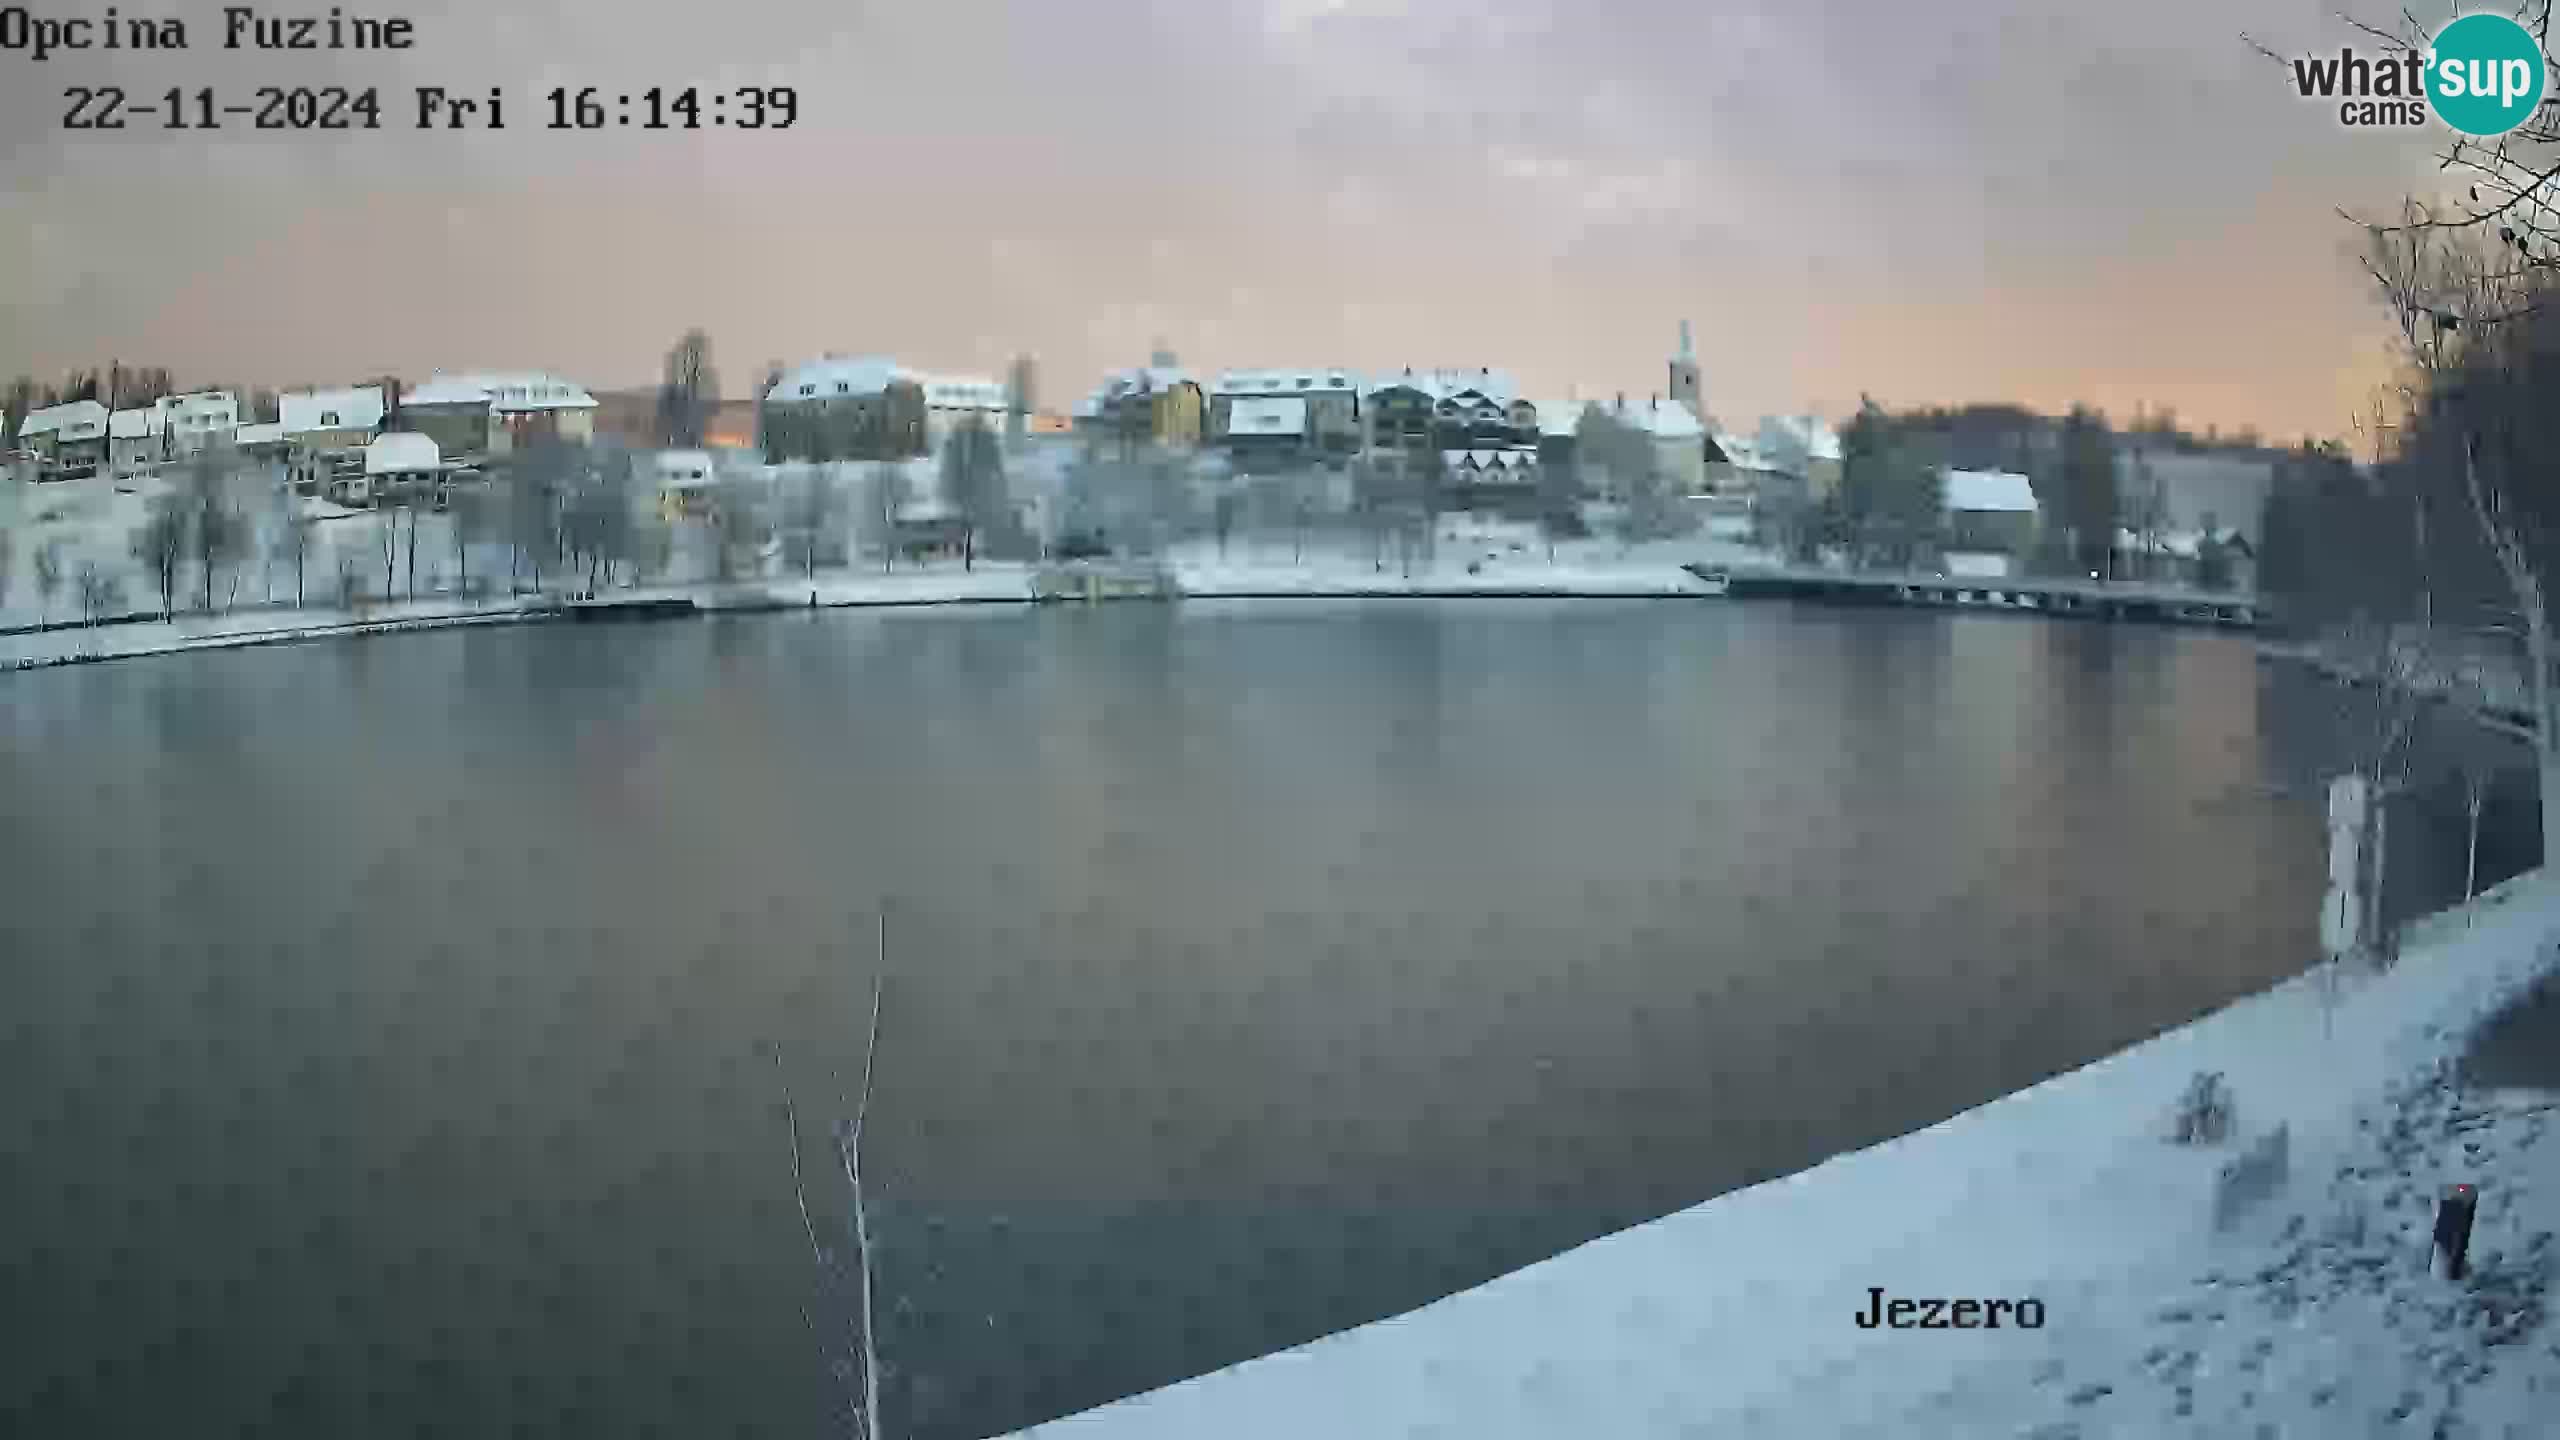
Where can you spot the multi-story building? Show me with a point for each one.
(952, 400)
(846, 408)
(1159, 403)
(69, 441)
(194, 420)
(1324, 403)
(481, 416)
(1448, 410)
(325, 431)
(136, 441)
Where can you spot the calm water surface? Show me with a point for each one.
(389, 1025)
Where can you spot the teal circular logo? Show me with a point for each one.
(2484, 75)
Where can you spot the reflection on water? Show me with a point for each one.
(384, 1018)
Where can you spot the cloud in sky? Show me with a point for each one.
(1927, 203)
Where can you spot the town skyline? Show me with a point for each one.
(2127, 212)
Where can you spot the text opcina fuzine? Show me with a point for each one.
(1904, 1313)
(239, 27)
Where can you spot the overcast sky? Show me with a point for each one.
(1931, 203)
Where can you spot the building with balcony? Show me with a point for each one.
(325, 432)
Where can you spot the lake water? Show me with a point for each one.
(387, 1027)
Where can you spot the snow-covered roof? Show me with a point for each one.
(927, 511)
(247, 435)
(400, 451)
(1994, 491)
(1267, 415)
(77, 420)
(1741, 452)
(133, 424)
(359, 408)
(1286, 381)
(506, 393)
(1805, 433)
(1488, 459)
(1494, 385)
(196, 402)
(1148, 378)
(1662, 419)
(1558, 417)
(963, 392)
(833, 375)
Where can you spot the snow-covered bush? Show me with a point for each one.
(2204, 1113)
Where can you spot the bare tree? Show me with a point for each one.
(687, 394)
(98, 592)
(973, 482)
(856, 1366)
(2500, 194)
(885, 492)
(813, 514)
(16, 400)
(290, 539)
(160, 546)
(472, 516)
(48, 577)
(535, 484)
(349, 563)
(2483, 351)
(741, 522)
(596, 516)
(216, 535)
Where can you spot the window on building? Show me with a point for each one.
(328, 419)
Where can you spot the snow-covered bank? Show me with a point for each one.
(1596, 569)
(2313, 1314)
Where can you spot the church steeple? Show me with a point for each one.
(1684, 376)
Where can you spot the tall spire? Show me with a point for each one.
(1685, 390)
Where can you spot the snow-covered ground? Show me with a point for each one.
(2313, 1314)
(93, 521)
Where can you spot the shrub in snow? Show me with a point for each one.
(2204, 1112)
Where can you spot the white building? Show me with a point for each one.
(1990, 521)
(70, 440)
(197, 419)
(325, 432)
(684, 480)
(315, 412)
(137, 441)
(951, 400)
(396, 462)
(1679, 441)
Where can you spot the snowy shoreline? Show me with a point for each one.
(45, 647)
(2313, 1313)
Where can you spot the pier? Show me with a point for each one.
(2071, 599)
